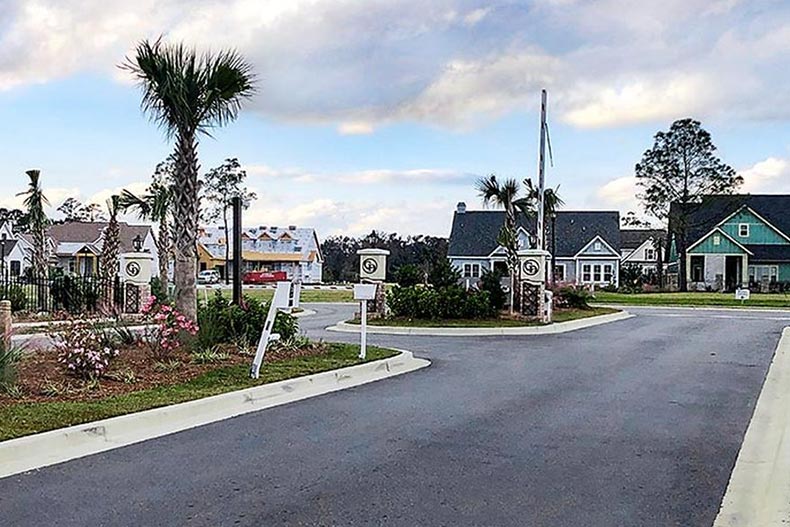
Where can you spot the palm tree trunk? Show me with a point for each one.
(186, 224)
(163, 251)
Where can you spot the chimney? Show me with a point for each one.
(460, 208)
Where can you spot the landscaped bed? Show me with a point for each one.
(97, 369)
(765, 300)
(46, 398)
(560, 315)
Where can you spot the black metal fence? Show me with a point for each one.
(63, 292)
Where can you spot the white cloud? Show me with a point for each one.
(772, 176)
(619, 192)
(454, 63)
(355, 128)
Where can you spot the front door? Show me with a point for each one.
(732, 272)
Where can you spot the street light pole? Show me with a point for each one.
(2, 255)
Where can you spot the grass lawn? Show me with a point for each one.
(17, 420)
(693, 299)
(308, 295)
(563, 315)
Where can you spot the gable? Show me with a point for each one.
(598, 247)
(638, 254)
(759, 231)
(716, 242)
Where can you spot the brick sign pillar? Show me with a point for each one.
(373, 270)
(136, 269)
(532, 264)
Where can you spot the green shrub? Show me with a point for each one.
(158, 290)
(16, 294)
(409, 275)
(491, 282)
(223, 323)
(572, 297)
(431, 303)
(10, 356)
(443, 274)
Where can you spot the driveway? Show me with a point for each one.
(634, 423)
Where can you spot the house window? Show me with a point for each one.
(743, 230)
(471, 270)
(16, 267)
(597, 246)
(586, 273)
(559, 273)
(763, 273)
(716, 239)
(607, 273)
(650, 255)
(597, 273)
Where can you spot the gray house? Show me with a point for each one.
(587, 244)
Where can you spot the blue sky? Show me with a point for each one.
(381, 114)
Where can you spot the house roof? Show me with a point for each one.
(90, 232)
(633, 238)
(704, 216)
(289, 243)
(769, 253)
(474, 233)
(9, 246)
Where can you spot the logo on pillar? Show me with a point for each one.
(370, 265)
(530, 267)
(132, 269)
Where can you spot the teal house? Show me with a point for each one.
(735, 241)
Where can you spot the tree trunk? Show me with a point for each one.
(163, 252)
(682, 270)
(185, 214)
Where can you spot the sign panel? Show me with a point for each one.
(373, 264)
(742, 294)
(365, 291)
(532, 265)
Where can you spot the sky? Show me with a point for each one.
(381, 114)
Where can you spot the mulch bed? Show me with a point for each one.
(41, 378)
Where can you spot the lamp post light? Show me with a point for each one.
(137, 243)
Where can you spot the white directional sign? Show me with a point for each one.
(742, 294)
(281, 301)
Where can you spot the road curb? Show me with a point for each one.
(758, 494)
(56, 446)
(756, 309)
(553, 329)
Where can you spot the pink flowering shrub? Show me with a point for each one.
(170, 328)
(83, 351)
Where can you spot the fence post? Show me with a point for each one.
(5, 322)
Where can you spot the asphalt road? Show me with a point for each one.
(634, 423)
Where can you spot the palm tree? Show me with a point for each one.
(188, 94)
(506, 196)
(35, 201)
(109, 265)
(551, 202)
(155, 205)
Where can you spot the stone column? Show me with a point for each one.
(5, 322)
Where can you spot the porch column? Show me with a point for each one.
(745, 269)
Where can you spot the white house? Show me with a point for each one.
(585, 245)
(294, 250)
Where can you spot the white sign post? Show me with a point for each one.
(280, 301)
(363, 293)
(742, 294)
